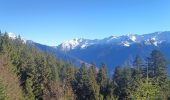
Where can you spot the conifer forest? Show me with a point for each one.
(29, 74)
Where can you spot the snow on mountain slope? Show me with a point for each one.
(71, 44)
(125, 40)
(14, 36)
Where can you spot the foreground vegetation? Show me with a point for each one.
(28, 74)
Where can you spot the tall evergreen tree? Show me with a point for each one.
(39, 78)
(157, 66)
(117, 79)
(122, 82)
(67, 76)
(137, 73)
(102, 80)
(2, 92)
(158, 63)
(94, 70)
(29, 91)
(81, 84)
(126, 83)
(146, 91)
(137, 65)
(93, 86)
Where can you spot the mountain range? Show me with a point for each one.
(112, 51)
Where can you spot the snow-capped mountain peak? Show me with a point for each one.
(12, 35)
(72, 44)
(114, 37)
(125, 43)
(125, 40)
(133, 38)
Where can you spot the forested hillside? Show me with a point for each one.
(28, 74)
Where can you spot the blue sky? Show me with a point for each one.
(54, 21)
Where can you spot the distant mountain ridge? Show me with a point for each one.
(124, 40)
(116, 50)
(113, 50)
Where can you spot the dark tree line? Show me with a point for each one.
(43, 77)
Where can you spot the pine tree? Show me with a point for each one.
(136, 73)
(29, 90)
(158, 70)
(117, 80)
(94, 70)
(137, 65)
(38, 80)
(158, 63)
(2, 92)
(169, 90)
(81, 84)
(122, 82)
(93, 86)
(102, 80)
(67, 76)
(146, 91)
(126, 83)
(6, 44)
(53, 65)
